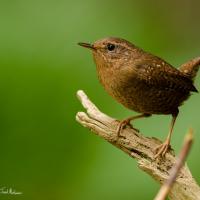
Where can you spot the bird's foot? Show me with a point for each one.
(122, 125)
(161, 150)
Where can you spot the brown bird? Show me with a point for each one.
(142, 82)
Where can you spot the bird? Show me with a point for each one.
(142, 82)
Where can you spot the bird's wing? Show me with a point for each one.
(155, 71)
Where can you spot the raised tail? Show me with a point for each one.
(190, 68)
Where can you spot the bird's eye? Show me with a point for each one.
(110, 47)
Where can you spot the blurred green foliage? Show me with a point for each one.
(44, 152)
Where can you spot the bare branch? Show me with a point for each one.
(139, 147)
(166, 187)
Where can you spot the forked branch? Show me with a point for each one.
(139, 147)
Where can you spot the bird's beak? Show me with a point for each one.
(86, 45)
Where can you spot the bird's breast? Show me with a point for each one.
(117, 85)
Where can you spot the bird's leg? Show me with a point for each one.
(162, 149)
(127, 121)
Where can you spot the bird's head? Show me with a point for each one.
(111, 52)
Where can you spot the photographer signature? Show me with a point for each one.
(9, 190)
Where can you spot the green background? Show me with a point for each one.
(44, 152)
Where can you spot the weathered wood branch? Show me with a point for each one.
(139, 147)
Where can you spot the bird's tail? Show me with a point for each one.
(190, 68)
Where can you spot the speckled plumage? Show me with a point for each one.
(141, 81)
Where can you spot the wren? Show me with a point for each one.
(142, 82)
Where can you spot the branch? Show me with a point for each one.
(166, 187)
(139, 147)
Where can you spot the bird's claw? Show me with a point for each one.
(162, 149)
(122, 125)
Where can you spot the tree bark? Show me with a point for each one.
(139, 147)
